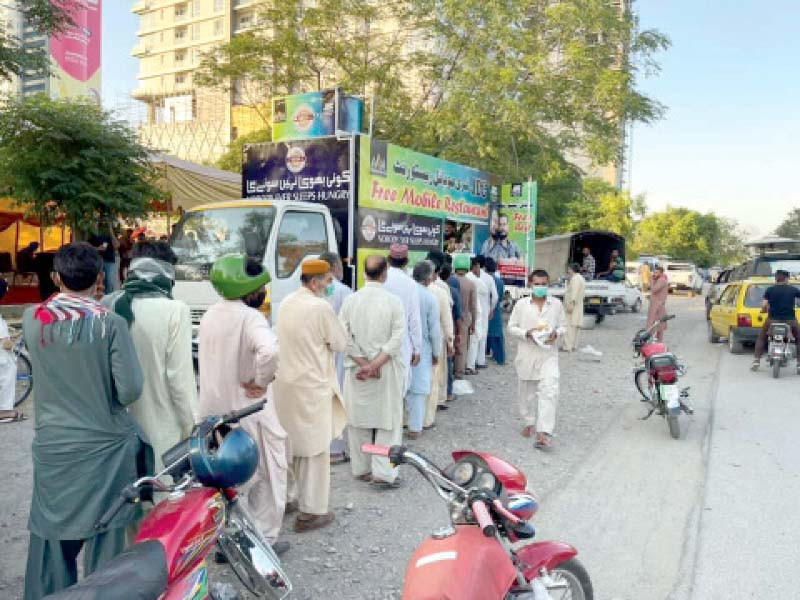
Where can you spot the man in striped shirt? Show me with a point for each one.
(589, 266)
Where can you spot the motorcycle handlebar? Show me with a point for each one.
(375, 449)
(484, 518)
(236, 415)
(129, 494)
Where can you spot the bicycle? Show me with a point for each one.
(24, 384)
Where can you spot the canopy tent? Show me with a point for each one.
(189, 184)
(18, 230)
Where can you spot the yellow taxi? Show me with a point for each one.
(737, 314)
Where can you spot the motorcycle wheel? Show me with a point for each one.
(776, 368)
(674, 426)
(572, 573)
(640, 379)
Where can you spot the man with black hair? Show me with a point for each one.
(86, 443)
(161, 328)
(498, 246)
(537, 323)
(438, 396)
(238, 356)
(375, 372)
(780, 302)
(495, 341)
(491, 286)
(447, 277)
(478, 339)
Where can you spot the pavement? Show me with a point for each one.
(652, 517)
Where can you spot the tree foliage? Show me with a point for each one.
(790, 227)
(509, 86)
(689, 235)
(46, 17)
(72, 160)
(602, 206)
(232, 159)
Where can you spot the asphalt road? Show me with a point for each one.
(711, 515)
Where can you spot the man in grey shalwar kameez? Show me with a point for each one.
(86, 443)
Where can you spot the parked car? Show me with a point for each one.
(683, 276)
(718, 284)
(737, 316)
(632, 270)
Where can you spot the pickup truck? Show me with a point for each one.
(684, 276)
(604, 297)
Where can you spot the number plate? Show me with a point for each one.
(671, 395)
(594, 300)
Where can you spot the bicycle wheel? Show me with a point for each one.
(24, 380)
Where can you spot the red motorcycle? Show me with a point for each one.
(486, 553)
(202, 512)
(656, 378)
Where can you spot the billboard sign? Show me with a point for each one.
(75, 55)
(397, 179)
(305, 171)
(314, 115)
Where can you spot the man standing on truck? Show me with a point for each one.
(307, 394)
(779, 303)
(238, 359)
(589, 265)
(401, 285)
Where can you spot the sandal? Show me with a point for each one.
(366, 477)
(528, 431)
(543, 441)
(14, 417)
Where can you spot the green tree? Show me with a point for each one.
(46, 17)
(705, 239)
(510, 86)
(71, 159)
(790, 227)
(601, 206)
(232, 159)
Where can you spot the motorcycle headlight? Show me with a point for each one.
(463, 473)
(486, 481)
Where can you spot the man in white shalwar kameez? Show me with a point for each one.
(307, 394)
(573, 306)
(537, 322)
(430, 353)
(440, 289)
(490, 284)
(375, 372)
(161, 328)
(401, 285)
(337, 294)
(238, 355)
(481, 318)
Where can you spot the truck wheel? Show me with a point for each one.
(599, 318)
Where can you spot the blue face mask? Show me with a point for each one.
(540, 291)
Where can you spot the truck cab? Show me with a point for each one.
(284, 233)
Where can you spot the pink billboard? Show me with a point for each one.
(75, 54)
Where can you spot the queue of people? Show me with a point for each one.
(339, 369)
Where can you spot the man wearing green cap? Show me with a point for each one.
(469, 311)
(238, 354)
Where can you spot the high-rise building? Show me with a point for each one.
(75, 55)
(185, 119)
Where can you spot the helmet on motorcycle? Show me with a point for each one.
(233, 277)
(232, 464)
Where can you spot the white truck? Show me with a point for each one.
(684, 276)
(282, 233)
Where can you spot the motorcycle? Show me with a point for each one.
(781, 347)
(486, 552)
(656, 378)
(167, 560)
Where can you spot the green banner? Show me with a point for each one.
(512, 232)
(398, 179)
(315, 114)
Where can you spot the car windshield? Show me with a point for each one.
(201, 237)
(769, 267)
(679, 267)
(755, 295)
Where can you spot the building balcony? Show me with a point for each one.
(140, 7)
(140, 50)
(243, 3)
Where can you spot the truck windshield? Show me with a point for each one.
(202, 237)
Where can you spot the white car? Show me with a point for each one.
(605, 297)
(684, 276)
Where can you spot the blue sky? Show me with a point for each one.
(731, 81)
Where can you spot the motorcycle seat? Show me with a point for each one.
(138, 573)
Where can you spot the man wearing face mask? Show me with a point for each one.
(537, 322)
(307, 393)
(498, 246)
(238, 356)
